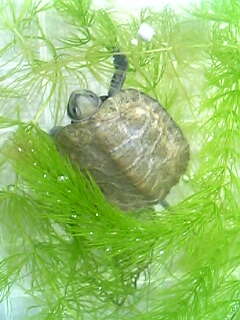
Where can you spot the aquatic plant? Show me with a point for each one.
(72, 253)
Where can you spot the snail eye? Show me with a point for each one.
(82, 105)
(74, 112)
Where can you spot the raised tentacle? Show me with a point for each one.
(121, 65)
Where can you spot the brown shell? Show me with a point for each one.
(131, 146)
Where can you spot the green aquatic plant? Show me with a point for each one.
(73, 254)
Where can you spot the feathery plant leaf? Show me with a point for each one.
(73, 253)
(78, 12)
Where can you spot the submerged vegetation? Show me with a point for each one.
(73, 254)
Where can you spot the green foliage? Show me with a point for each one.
(78, 12)
(73, 253)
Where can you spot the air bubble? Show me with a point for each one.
(45, 176)
(19, 149)
(146, 32)
(161, 252)
(62, 178)
(32, 150)
(35, 163)
(91, 233)
(97, 214)
(134, 42)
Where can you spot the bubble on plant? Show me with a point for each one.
(134, 42)
(146, 32)
(62, 178)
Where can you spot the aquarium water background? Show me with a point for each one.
(188, 259)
